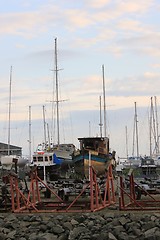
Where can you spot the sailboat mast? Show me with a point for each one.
(133, 138)
(136, 129)
(49, 143)
(9, 111)
(157, 130)
(30, 156)
(44, 124)
(150, 130)
(104, 100)
(100, 124)
(126, 142)
(57, 96)
(153, 129)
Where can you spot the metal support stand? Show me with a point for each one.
(129, 200)
(99, 196)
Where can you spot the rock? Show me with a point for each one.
(57, 229)
(111, 236)
(123, 220)
(118, 229)
(76, 232)
(67, 225)
(12, 234)
(74, 222)
(87, 226)
(47, 236)
(2, 236)
(150, 232)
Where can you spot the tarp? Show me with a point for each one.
(56, 159)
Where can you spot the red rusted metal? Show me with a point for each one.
(128, 200)
(33, 202)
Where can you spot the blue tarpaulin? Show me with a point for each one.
(56, 160)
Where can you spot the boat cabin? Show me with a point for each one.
(40, 159)
(98, 144)
(148, 166)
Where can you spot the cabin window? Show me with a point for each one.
(89, 145)
(40, 159)
(34, 159)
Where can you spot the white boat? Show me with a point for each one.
(53, 162)
(9, 161)
(46, 167)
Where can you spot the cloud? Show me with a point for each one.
(135, 6)
(97, 3)
(78, 19)
(151, 75)
(108, 26)
(156, 65)
(130, 25)
(30, 24)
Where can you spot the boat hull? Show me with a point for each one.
(99, 163)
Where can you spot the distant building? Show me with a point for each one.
(14, 150)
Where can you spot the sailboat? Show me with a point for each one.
(135, 160)
(10, 160)
(94, 151)
(154, 132)
(145, 164)
(58, 156)
(63, 151)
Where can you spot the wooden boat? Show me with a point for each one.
(94, 151)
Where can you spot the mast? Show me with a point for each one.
(100, 124)
(104, 100)
(126, 142)
(153, 128)
(133, 138)
(157, 130)
(9, 111)
(57, 96)
(150, 130)
(44, 124)
(136, 121)
(30, 156)
(49, 143)
(135, 132)
(89, 129)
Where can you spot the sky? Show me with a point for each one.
(121, 35)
